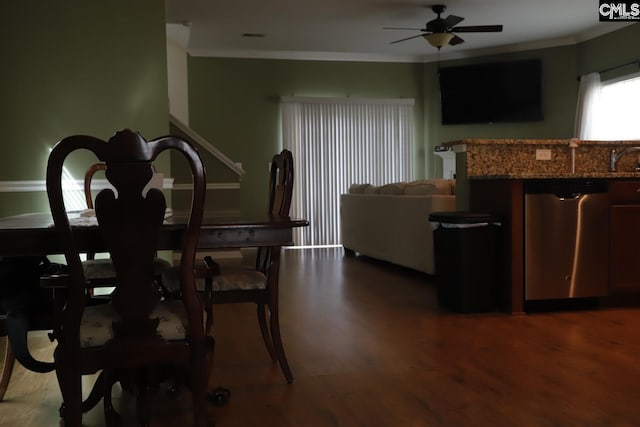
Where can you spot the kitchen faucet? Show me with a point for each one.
(615, 156)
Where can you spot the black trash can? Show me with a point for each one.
(466, 259)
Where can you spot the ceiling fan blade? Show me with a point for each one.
(478, 29)
(436, 26)
(403, 28)
(452, 20)
(407, 38)
(456, 40)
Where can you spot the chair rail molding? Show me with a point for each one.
(30, 186)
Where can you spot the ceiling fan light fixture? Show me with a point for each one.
(438, 39)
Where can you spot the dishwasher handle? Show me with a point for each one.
(566, 188)
(569, 196)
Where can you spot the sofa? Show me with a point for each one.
(391, 222)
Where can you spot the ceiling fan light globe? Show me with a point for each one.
(438, 39)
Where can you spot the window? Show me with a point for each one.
(618, 109)
(608, 110)
(339, 142)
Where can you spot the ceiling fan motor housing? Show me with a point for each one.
(438, 9)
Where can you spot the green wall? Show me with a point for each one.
(561, 68)
(235, 104)
(559, 92)
(76, 67)
(611, 50)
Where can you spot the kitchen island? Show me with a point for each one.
(494, 175)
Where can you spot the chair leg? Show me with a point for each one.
(71, 390)
(7, 369)
(102, 390)
(95, 395)
(264, 330)
(277, 342)
(143, 398)
(199, 379)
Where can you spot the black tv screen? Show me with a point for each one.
(491, 93)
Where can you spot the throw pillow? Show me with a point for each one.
(358, 188)
(392, 189)
(372, 189)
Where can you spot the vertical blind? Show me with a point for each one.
(339, 142)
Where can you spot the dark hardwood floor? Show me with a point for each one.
(369, 346)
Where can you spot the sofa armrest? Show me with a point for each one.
(392, 228)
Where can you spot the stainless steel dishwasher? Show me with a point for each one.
(566, 239)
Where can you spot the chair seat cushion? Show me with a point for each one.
(96, 326)
(103, 268)
(231, 278)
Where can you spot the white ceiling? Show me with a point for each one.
(353, 29)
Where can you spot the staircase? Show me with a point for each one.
(223, 174)
(223, 182)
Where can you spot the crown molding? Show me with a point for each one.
(303, 55)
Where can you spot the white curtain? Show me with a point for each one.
(587, 108)
(339, 142)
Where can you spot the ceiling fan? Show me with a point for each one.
(440, 31)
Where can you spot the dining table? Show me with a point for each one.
(32, 235)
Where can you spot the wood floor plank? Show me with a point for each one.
(369, 346)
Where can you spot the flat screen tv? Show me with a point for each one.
(491, 93)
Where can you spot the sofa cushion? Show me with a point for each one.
(420, 189)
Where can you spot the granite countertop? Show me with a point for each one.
(544, 159)
(603, 175)
(560, 142)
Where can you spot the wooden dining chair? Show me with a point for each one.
(135, 332)
(259, 284)
(100, 272)
(21, 326)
